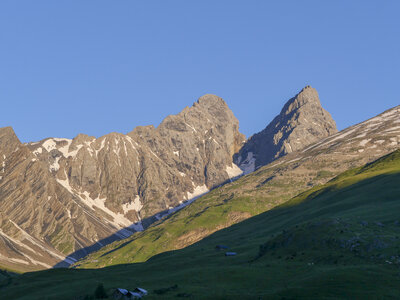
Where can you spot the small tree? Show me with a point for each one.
(100, 292)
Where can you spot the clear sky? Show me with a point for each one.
(94, 67)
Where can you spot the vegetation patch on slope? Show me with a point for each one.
(250, 195)
(339, 240)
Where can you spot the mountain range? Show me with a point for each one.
(260, 191)
(338, 240)
(127, 198)
(61, 198)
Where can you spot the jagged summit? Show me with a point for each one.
(76, 193)
(7, 132)
(307, 96)
(8, 140)
(301, 122)
(210, 99)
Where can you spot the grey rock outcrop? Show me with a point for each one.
(60, 196)
(301, 122)
(268, 187)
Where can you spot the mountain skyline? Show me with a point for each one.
(163, 116)
(199, 149)
(341, 126)
(361, 155)
(118, 184)
(65, 70)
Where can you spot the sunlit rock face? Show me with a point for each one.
(59, 196)
(301, 122)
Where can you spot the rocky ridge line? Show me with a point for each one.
(61, 196)
(301, 122)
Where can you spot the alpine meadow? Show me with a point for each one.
(270, 168)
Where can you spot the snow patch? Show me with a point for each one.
(35, 242)
(126, 151)
(74, 152)
(55, 165)
(103, 142)
(131, 141)
(15, 241)
(134, 205)
(233, 171)
(49, 145)
(373, 125)
(38, 151)
(361, 135)
(313, 146)
(394, 128)
(198, 191)
(389, 113)
(119, 220)
(64, 149)
(155, 155)
(364, 142)
(181, 205)
(89, 147)
(340, 136)
(248, 165)
(17, 260)
(35, 262)
(194, 129)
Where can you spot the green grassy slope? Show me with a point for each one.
(339, 240)
(234, 202)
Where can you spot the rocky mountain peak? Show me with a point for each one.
(8, 133)
(307, 96)
(302, 121)
(210, 99)
(8, 140)
(89, 191)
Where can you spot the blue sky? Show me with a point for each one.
(94, 67)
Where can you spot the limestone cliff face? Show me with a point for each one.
(301, 122)
(59, 195)
(270, 186)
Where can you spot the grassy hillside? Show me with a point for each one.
(222, 207)
(253, 194)
(339, 240)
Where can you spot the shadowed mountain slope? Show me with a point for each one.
(259, 191)
(339, 240)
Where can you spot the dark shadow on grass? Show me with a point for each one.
(122, 233)
(117, 236)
